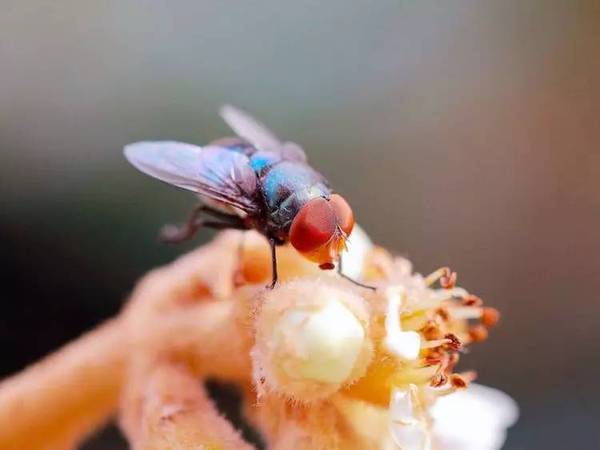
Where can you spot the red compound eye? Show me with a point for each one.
(343, 213)
(314, 225)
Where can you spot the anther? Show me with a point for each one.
(448, 279)
(478, 333)
(431, 331)
(443, 314)
(490, 317)
(439, 379)
(458, 381)
(472, 300)
(454, 342)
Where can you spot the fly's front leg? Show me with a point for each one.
(343, 275)
(173, 234)
(273, 244)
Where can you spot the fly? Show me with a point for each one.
(253, 181)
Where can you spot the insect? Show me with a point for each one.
(253, 181)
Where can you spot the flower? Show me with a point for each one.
(323, 363)
(419, 331)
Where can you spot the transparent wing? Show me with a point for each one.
(291, 151)
(245, 126)
(250, 129)
(212, 171)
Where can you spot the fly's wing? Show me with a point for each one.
(211, 171)
(250, 129)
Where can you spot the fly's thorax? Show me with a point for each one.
(261, 162)
(291, 206)
(287, 186)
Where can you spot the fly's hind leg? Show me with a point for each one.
(173, 234)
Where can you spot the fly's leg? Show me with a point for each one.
(215, 213)
(173, 234)
(352, 280)
(272, 243)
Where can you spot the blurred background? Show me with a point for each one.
(464, 133)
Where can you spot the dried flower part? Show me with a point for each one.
(174, 412)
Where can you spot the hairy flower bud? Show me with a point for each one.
(311, 339)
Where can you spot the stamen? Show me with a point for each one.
(455, 343)
(432, 360)
(435, 343)
(416, 375)
(478, 333)
(452, 361)
(455, 292)
(469, 376)
(472, 300)
(431, 331)
(490, 317)
(448, 280)
(458, 381)
(446, 277)
(438, 380)
(438, 274)
(466, 312)
(454, 383)
(443, 314)
(404, 344)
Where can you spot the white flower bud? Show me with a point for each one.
(311, 339)
(320, 344)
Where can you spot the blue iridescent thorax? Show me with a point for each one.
(287, 186)
(259, 161)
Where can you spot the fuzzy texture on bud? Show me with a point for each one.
(312, 337)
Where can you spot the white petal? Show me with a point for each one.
(473, 419)
(407, 428)
(359, 245)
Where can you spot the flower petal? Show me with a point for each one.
(473, 419)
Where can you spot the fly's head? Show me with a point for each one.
(320, 229)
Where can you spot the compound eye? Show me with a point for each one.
(343, 213)
(314, 225)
